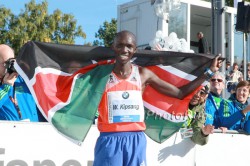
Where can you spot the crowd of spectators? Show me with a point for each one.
(230, 112)
(208, 110)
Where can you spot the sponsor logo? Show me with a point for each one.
(133, 79)
(111, 79)
(125, 95)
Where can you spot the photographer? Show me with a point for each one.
(16, 102)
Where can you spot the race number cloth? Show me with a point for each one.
(121, 110)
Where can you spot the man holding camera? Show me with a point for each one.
(16, 102)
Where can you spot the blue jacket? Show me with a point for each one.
(26, 103)
(233, 118)
(212, 111)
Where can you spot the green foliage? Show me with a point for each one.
(87, 44)
(34, 23)
(106, 33)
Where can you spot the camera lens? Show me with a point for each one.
(9, 64)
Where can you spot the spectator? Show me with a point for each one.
(196, 117)
(240, 79)
(122, 141)
(231, 87)
(248, 65)
(241, 68)
(16, 104)
(217, 84)
(235, 117)
(235, 73)
(234, 76)
(248, 75)
(202, 44)
(73, 66)
(228, 69)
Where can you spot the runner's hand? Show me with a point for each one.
(216, 64)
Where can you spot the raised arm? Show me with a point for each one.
(148, 77)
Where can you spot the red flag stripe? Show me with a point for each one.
(172, 75)
(163, 105)
(56, 94)
(162, 114)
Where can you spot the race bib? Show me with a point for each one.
(186, 133)
(125, 106)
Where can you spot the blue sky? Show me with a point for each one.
(90, 14)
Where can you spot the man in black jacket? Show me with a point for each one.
(202, 44)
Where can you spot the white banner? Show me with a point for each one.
(39, 144)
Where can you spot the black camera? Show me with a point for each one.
(9, 65)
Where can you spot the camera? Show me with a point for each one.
(9, 65)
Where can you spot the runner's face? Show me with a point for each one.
(124, 47)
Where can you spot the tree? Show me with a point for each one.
(34, 23)
(106, 33)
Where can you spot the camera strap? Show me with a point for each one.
(14, 101)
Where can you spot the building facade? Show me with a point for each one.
(139, 17)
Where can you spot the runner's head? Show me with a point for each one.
(124, 46)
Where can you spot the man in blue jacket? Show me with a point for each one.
(217, 85)
(16, 102)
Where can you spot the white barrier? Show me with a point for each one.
(39, 144)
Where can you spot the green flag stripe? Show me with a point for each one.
(75, 119)
(158, 128)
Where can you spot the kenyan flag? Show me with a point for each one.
(67, 82)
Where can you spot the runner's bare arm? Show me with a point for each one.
(148, 77)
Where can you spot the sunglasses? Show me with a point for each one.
(202, 93)
(218, 80)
